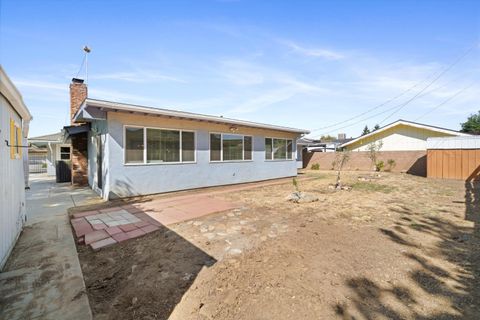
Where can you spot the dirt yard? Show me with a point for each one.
(397, 247)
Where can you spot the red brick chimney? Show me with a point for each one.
(78, 94)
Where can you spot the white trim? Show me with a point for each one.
(179, 114)
(13, 96)
(145, 146)
(406, 123)
(221, 147)
(58, 153)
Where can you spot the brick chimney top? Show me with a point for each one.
(77, 80)
(78, 94)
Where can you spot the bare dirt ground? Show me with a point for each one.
(398, 247)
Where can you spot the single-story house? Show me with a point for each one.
(401, 135)
(15, 119)
(56, 149)
(124, 150)
(404, 142)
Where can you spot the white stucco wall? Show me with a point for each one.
(12, 185)
(398, 138)
(129, 180)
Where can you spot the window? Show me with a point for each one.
(15, 140)
(230, 147)
(163, 146)
(151, 145)
(278, 149)
(247, 143)
(268, 148)
(64, 153)
(188, 146)
(134, 145)
(289, 149)
(215, 147)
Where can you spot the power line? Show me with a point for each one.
(376, 107)
(432, 82)
(81, 65)
(402, 105)
(444, 102)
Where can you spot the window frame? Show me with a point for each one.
(294, 149)
(145, 163)
(59, 152)
(221, 147)
(16, 137)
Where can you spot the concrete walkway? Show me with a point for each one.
(42, 278)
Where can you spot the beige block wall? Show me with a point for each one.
(413, 162)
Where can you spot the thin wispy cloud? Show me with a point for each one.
(139, 76)
(323, 53)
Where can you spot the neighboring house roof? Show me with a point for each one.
(10, 92)
(103, 105)
(53, 137)
(306, 141)
(407, 123)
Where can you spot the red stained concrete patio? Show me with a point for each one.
(105, 227)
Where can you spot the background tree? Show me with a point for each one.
(341, 159)
(373, 148)
(472, 125)
(365, 131)
(377, 126)
(327, 138)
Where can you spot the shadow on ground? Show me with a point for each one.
(143, 278)
(459, 245)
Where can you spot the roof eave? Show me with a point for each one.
(179, 114)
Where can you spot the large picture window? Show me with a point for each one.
(230, 147)
(162, 145)
(134, 145)
(278, 149)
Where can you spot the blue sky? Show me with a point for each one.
(307, 64)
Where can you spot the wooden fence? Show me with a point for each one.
(461, 164)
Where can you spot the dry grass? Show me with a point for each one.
(397, 247)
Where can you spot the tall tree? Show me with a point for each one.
(377, 126)
(365, 131)
(472, 125)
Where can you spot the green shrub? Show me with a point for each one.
(379, 165)
(315, 166)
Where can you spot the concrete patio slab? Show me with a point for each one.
(42, 278)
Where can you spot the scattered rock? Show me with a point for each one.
(301, 197)
(234, 251)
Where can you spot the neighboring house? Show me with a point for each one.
(56, 150)
(404, 142)
(15, 119)
(401, 135)
(124, 150)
